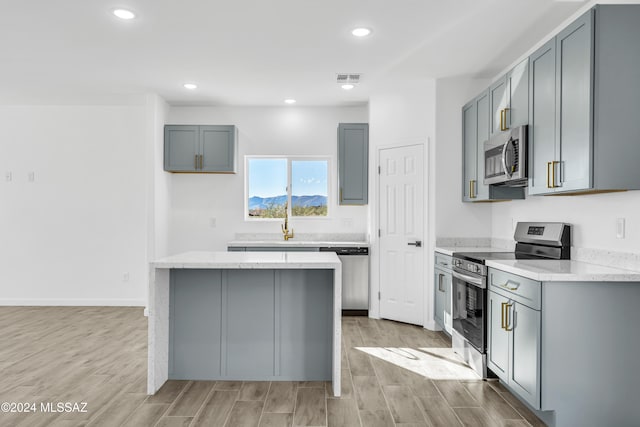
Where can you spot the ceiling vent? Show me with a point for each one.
(348, 78)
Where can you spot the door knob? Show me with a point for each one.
(417, 244)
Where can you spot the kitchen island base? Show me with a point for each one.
(259, 325)
(245, 317)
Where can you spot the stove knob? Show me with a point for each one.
(478, 269)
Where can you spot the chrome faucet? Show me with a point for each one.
(285, 227)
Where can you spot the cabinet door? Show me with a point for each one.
(195, 326)
(499, 100)
(518, 88)
(439, 297)
(542, 117)
(353, 167)
(497, 336)
(480, 190)
(181, 148)
(217, 147)
(524, 369)
(574, 105)
(447, 283)
(469, 149)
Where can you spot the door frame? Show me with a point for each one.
(428, 227)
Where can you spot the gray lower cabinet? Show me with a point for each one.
(251, 324)
(353, 163)
(205, 148)
(584, 103)
(514, 333)
(442, 292)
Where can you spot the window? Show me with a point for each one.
(299, 184)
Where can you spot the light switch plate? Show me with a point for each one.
(620, 225)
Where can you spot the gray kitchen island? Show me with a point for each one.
(245, 316)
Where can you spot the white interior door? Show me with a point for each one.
(401, 227)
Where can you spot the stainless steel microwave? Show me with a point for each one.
(505, 158)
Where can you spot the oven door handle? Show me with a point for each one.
(477, 281)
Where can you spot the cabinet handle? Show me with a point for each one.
(506, 326)
(340, 194)
(502, 316)
(553, 174)
(201, 161)
(195, 161)
(506, 285)
(440, 277)
(548, 175)
(503, 119)
(472, 194)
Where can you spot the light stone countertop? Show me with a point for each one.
(548, 270)
(449, 250)
(237, 260)
(295, 243)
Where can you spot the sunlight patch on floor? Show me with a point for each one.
(432, 363)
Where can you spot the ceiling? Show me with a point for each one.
(256, 52)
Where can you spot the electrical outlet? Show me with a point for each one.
(7, 176)
(212, 222)
(32, 176)
(620, 225)
(125, 276)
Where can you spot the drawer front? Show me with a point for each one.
(518, 288)
(443, 261)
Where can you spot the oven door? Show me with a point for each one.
(469, 308)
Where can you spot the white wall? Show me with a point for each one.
(593, 218)
(401, 114)
(291, 130)
(158, 181)
(69, 236)
(453, 218)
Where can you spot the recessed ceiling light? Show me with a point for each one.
(124, 14)
(290, 101)
(361, 32)
(190, 86)
(347, 87)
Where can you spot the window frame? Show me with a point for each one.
(289, 159)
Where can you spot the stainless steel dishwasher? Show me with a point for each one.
(355, 278)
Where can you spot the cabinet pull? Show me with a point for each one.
(340, 194)
(548, 175)
(201, 160)
(472, 186)
(553, 174)
(506, 326)
(502, 325)
(503, 119)
(440, 277)
(506, 285)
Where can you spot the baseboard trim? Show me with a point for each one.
(432, 325)
(73, 302)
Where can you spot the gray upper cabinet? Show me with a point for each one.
(542, 117)
(469, 149)
(192, 148)
(353, 163)
(584, 103)
(509, 99)
(476, 124)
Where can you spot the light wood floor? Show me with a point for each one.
(393, 375)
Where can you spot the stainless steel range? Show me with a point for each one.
(534, 240)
